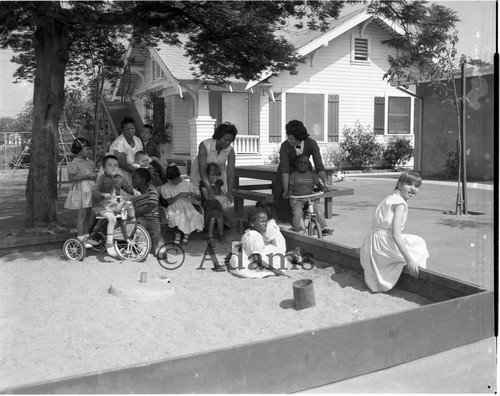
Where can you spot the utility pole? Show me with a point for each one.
(464, 149)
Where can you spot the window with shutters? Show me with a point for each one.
(399, 113)
(310, 109)
(360, 50)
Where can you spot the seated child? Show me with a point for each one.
(302, 182)
(214, 208)
(273, 233)
(142, 160)
(104, 201)
(181, 214)
(258, 258)
(146, 206)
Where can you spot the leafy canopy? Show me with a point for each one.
(223, 38)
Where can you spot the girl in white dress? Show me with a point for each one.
(386, 250)
(273, 233)
(257, 253)
(180, 211)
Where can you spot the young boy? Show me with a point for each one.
(142, 160)
(302, 182)
(146, 206)
(104, 201)
(153, 151)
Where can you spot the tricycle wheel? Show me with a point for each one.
(74, 250)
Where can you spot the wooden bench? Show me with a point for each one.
(240, 194)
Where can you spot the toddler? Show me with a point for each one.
(142, 160)
(104, 198)
(258, 257)
(181, 214)
(214, 208)
(273, 233)
(82, 175)
(302, 182)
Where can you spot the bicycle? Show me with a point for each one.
(131, 240)
(312, 225)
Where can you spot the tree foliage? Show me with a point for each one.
(224, 39)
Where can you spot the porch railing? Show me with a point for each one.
(246, 144)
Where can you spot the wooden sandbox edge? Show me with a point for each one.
(306, 360)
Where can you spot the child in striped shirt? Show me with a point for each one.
(146, 206)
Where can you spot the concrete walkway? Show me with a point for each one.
(460, 247)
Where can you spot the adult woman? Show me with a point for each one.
(298, 142)
(124, 148)
(217, 150)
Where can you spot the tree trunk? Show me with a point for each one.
(51, 53)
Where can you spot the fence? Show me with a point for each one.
(11, 146)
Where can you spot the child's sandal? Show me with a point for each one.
(211, 241)
(185, 241)
(177, 239)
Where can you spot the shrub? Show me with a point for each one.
(275, 155)
(451, 165)
(333, 155)
(397, 152)
(361, 146)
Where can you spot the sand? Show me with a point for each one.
(58, 319)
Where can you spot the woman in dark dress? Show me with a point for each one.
(298, 142)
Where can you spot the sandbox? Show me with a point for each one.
(221, 334)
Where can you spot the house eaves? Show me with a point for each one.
(308, 41)
(343, 25)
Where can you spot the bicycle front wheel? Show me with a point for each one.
(314, 229)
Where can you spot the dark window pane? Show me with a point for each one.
(399, 115)
(308, 108)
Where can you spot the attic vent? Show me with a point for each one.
(156, 71)
(360, 49)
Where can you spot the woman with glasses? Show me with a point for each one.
(124, 148)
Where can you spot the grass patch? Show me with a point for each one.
(12, 177)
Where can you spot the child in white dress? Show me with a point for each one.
(385, 250)
(180, 211)
(82, 175)
(273, 233)
(258, 256)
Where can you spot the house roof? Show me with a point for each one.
(302, 37)
(307, 41)
(178, 65)
(175, 60)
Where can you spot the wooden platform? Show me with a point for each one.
(462, 313)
